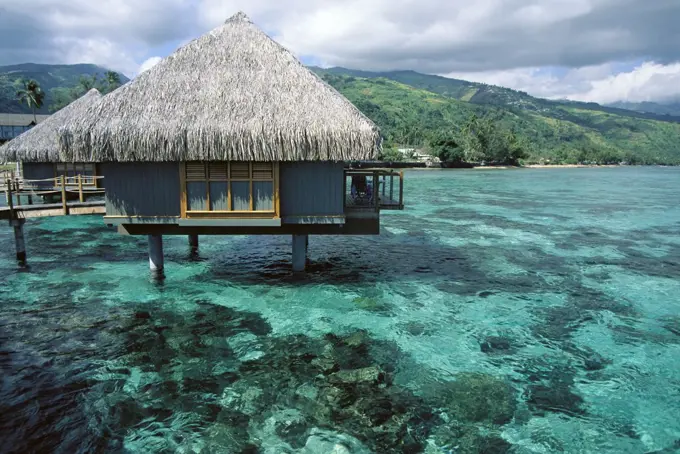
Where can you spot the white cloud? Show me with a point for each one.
(601, 83)
(647, 82)
(490, 39)
(116, 35)
(148, 64)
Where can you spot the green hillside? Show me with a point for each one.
(650, 107)
(56, 81)
(491, 95)
(565, 133)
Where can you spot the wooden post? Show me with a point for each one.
(7, 191)
(17, 190)
(300, 245)
(63, 195)
(80, 189)
(344, 189)
(10, 202)
(19, 241)
(193, 242)
(376, 189)
(391, 187)
(401, 189)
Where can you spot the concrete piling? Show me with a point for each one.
(193, 242)
(19, 240)
(300, 247)
(156, 255)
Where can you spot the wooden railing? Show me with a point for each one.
(28, 188)
(368, 190)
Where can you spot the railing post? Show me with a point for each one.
(391, 186)
(63, 195)
(17, 189)
(80, 188)
(344, 189)
(376, 190)
(10, 202)
(7, 191)
(401, 189)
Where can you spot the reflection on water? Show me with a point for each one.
(526, 311)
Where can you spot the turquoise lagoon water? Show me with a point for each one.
(525, 311)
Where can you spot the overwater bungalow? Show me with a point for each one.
(231, 134)
(37, 149)
(12, 125)
(44, 173)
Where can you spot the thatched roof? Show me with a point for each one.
(41, 142)
(14, 119)
(232, 94)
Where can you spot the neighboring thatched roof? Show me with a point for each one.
(41, 142)
(13, 119)
(232, 94)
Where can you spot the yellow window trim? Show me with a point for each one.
(245, 214)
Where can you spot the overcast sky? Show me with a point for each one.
(595, 50)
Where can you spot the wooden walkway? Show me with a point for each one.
(80, 206)
(52, 209)
(17, 214)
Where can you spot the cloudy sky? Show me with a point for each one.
(594, 50)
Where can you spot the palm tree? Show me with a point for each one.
(86, 84)
(32, 95)
(113, 80)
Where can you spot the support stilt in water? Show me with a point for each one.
(300, 245)
(193, 242)
(156, 254)
(19, 241)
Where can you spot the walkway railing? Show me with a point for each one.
(63, 188)
(368, 190)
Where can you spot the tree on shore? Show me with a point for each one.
(64, 96)
(112, 81)
(32, 95)
(446, 146)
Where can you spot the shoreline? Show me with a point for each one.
(401, 165)
(573, 166)
(530, 166)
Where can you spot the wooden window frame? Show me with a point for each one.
(239, 214)
(88, 180)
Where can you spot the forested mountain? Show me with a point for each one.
(491, 95)
(60, 83)
(672, 108)
(559, 132)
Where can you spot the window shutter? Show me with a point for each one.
(263, 171)
(240, 170)
(195, 171)
(218, 171)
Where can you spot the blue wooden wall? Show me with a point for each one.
(311, 188)
(142, 188)
(38, 171)
(153, 189)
